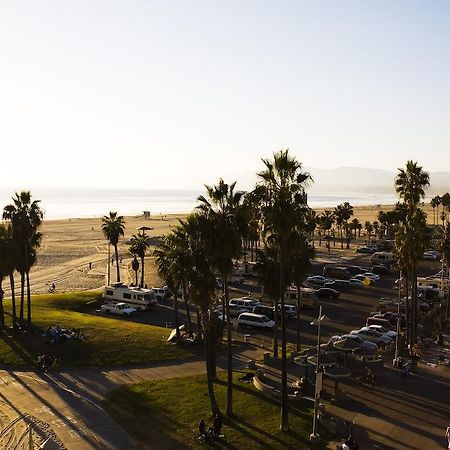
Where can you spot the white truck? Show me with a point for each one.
(122, 309)
(139, 298)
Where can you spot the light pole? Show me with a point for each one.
(400, 284)
(321, 318)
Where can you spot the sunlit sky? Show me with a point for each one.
(171, 94)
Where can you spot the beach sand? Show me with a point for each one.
(69, 245)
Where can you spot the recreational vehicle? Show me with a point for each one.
(139, 298)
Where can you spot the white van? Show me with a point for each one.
(139, 298)
(382, 258)
(246, 303)
(248, 319)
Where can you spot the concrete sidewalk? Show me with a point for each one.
(68, 400)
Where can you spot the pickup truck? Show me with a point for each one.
(122, 309)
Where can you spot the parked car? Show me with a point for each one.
(389, 333)
(383, 258)
(339, 285)
(290, 311)
(372, 276)
(373, 320)
(365, 344)
(248, 319)
(373, 336)
(356, 282)
(431, 256)
(380, 270)
(327, 293)
(365, 280)
(235, 310)
(246, 303)
(318, 280)
(355, 270)
(160, 293)
(366, 250)
(121, 309)
(265, 310)
(333, 271)
(391, 317)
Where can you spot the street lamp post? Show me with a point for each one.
(314, 436)
(400, 283)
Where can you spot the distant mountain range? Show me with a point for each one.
(366, 180)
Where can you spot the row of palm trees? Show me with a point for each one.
(19, 241)
(208, 241)
(113, 227)
(437, 201)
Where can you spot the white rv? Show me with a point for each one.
(138, 298)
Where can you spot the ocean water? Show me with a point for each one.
(65, 203)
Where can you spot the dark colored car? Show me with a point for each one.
(327, 293)
(355, 270)
(339, 285)
(392, 317)
(265, 310)
(380, 270)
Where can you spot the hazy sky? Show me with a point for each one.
(169, 94)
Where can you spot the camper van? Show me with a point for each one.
(385, 258)
(139, 298)
(308, 298)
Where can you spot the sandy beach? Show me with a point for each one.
(69, 245)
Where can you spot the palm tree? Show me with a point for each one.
(445, 201)
(376, 228)
(267, 269)
(283, 182)
(301, 263)
(339, 218)
(221, 209)
(25, 217)
(356, 225)
(410, 184)
(445, 249)
(202, 288)
(113, 227)
(139, 245)
(167, 263)
(369, 228)
(435, 202)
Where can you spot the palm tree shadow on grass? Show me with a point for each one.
(16, 348)
(244, 426)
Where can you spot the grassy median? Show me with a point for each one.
(165, 414)
(108, 341)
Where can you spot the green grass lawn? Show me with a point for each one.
(165, 414)
(109, 341)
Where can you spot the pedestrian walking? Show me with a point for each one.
(90, 265)
(447, 435)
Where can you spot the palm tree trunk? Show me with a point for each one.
(175, 316)
(142, 271)
(229, 410)
(209, 362)
(13, 302)
(28, 303)
(2, 312)
(188, 312)
(408, 309)
(299, 296)
(22, 295)
(116, 252)
(284, 425)
(276, 315)
(136, 274)
(415, 303)
(200, 333)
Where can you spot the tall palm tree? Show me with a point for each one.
(167, 263)
(339, 214)
(267, 268)
(445, 249)
(284, 183)
(301, 263)
(435, 202)
(369, 228)
(410, 184)
(202, 288)
(25, 216)
(222, 210)
(139, 244)
(113, 227)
